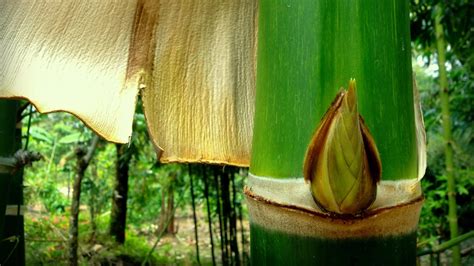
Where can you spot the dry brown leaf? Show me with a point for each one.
(71, 56)
(194, 59)
(201, 104)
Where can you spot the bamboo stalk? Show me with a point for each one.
(446, 245)
(233, 222)
(118, 215)
(307, 51)
(242, 235)
(8, 145)
(208, 205)
(272, 248)
(224, 188)
(447, 132)
(196, 237)
(14, 225)
(219, 215)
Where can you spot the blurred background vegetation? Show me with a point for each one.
(48, 191)
(160, 224)
(458, 23)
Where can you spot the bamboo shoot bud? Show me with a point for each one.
(342, 162)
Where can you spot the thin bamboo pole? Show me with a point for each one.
(219, 215)
(446, 245)
(14, 223)
(224, 188)
(196, 236)
(234, 241)
(444, 95)
(208, 205)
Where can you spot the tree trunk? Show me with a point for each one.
(307, 51)
(219, 214)
(208, 210)
(226, 208)
(170, 211)
(14, 220)
(83, 160)
(10, 251)
(118, 216)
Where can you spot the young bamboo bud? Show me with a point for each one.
(342, 162)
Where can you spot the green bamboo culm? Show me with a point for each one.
(444, 95)
(307, 51)
(8, 116)
(318, 251)
(446, 245)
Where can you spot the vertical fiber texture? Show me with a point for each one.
(307, 51)
(71, 56)
(194, 60)
(200, 105)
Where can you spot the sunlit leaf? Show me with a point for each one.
(41, 134)
(71, 138)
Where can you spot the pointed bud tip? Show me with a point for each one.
(342, 162)
(352, 83)
(351, 96)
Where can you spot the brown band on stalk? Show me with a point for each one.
(286, 206)
(392, 221)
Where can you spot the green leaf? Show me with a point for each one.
(41, 134)
(71, 138)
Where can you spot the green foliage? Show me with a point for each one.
(458, 23)
(52, 198)
(46, 237)
(433, 222)
(49, 188)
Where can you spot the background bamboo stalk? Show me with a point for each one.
(193, 204)
(444, 95)
(208, 208)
